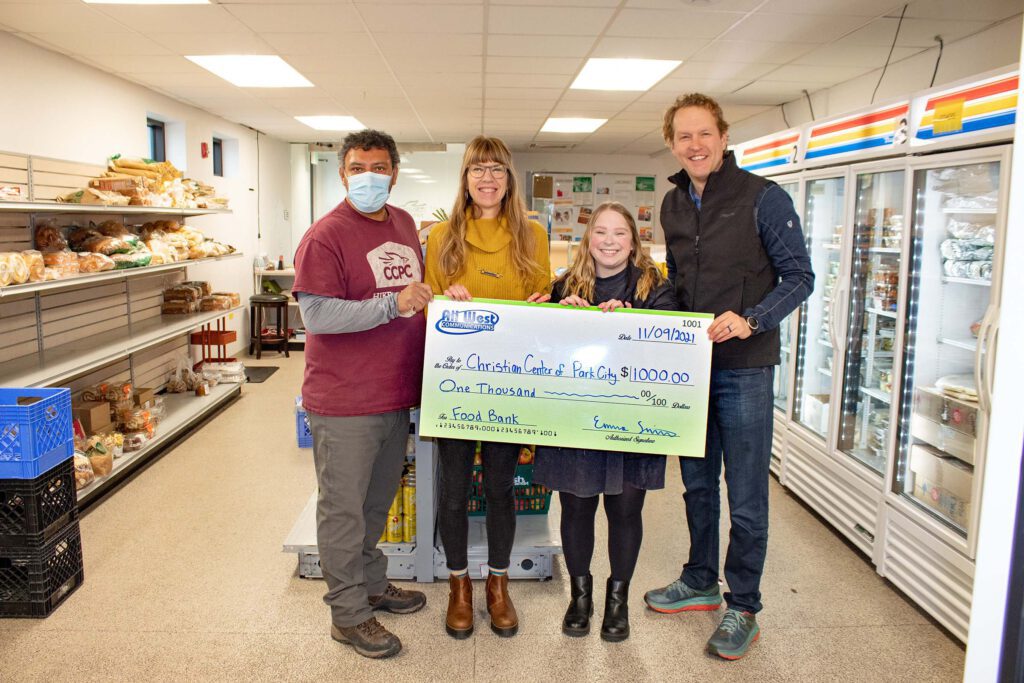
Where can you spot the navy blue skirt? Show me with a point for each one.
(587, 473)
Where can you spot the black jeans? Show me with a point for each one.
(499, 470)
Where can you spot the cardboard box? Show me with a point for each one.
(815, 411)
(941, 483)
(94, 415)
(144, 397)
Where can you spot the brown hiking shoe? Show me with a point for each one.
(369, 639)
(398, 601)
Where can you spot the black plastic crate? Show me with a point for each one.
(34, 581)
(32, 511)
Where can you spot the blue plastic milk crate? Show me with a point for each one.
(35, 431)
(302, 432)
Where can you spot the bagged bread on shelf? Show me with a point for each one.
(79, 234)
(186, 291)
(89, 262)
(36, 265)
(123, 184)
(215, 303)
(162, 249)
(236, 299)
(202, 285)
(179, 307)
(84, 474)
(49, 237)
(194, 237)
(209, 249)
(113, 229)
(167, 225)
(63, 263)
(183, 378)
(111, 392)
(13, 269)
(51, 274)
(102, 244)
(136, 259)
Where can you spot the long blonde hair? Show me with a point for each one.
(579, 278)
(452, 257)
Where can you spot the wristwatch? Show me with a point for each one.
(752, 323)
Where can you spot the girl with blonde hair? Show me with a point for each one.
(611, 271)
(488, 249)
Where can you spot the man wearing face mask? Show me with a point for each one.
(358, 279)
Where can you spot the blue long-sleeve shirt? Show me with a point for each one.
(778, 225)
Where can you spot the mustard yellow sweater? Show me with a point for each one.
(489, 272)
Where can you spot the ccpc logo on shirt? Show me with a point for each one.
(467, 322)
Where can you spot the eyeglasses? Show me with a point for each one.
(497, 172)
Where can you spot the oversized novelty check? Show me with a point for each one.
(554, 375)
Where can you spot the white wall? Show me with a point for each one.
(56, 107)
(302, 210)
(996, 47)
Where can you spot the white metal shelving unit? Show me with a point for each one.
(81, 330)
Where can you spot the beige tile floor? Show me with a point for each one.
(185, 580)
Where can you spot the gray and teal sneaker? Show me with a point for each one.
(734, 635)
(678, 597)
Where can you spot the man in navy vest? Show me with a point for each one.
(735, 249)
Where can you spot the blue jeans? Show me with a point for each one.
(740, 434)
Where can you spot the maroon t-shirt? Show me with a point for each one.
(345, 255)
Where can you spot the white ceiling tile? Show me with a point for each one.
(640, 23)
(818, 75)
(843, 53)
(151, 64)
(552, 21)
(171, 80)
(562, 3)
(437, 64)
(538, 46)
(353, 80)
(77, 18)
(174, 18)
(297, 18)
(861, 8)
(529, 65)
(535, 95)
(447, 80)
(129, 45)
(516, 107)
(720, 71)
(650, 48)
(212, 43)
(587, 111)
(737, 112)
(796, 28)
(752, 51)
(975, 10)
(913, 32)
(716, 5)
(320, 44)
(528, 80)
(767, 92)
(672, 87)
(430, 19)
(414, 44)
(599, 97)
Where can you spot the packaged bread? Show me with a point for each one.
(235, 297)
(89, 262)
(136, 259)
(49, 237)
(167, 225)
(83, 471)
(202, 285)
(6, 274)
(162, 249)
(64, 263)
(215, 303)
(51, 274)
(194, 237)
(121, 184)
(101, 244)
(13, 269)
(186, 291)
(179, 307)
(113, 229)
(36, 265)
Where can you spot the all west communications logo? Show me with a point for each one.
(467, 322)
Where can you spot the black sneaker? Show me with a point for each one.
(398, 601)
(369, 639)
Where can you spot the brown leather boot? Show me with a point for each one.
(459, 620)
(504, 620)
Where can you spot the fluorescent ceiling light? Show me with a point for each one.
(147, 2)
(331, 122)
(570, 125)
(252, 71)
(623, 74)
(409, 170)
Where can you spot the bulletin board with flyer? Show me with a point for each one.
(565, 201)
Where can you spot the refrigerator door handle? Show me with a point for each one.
(979, 364)
(833, 331)
(991, 339)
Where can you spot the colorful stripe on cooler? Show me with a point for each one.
(775, 152)
(987, 105)
(857, 133)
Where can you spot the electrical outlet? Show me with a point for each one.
(287, 215)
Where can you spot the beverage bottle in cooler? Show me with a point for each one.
(409, 508)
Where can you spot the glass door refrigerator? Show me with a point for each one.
(870, 306)
(957, 229)
(818, 330)
(787, 335)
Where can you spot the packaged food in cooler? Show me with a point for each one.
(178, 307)
(967, 230)
(236, 299)
(136, 259)
(970, 179)
(49, 237)
(215, 303)
(89, 262)
(958, 386)
(975, 328)
(36, 265)
(985, 202)
(974, 270)
(966, 250)
(83, 471)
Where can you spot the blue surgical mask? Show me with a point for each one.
(369, 191)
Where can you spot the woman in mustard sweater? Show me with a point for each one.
(488, 249)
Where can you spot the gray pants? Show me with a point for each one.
(358, 469)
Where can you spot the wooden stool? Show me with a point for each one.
(259, 304)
